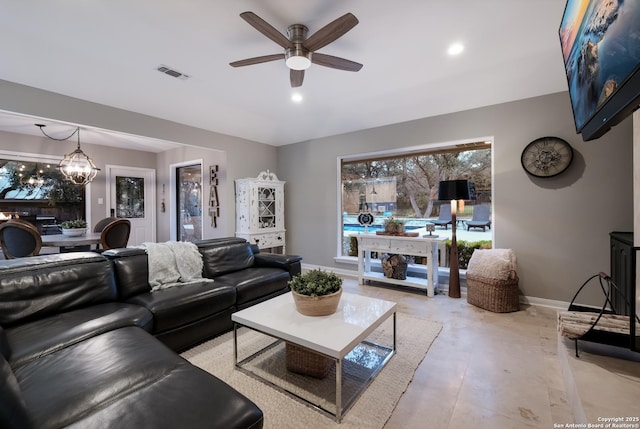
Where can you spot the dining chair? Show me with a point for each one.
(115, 235)
(99, 226)
(19, 238)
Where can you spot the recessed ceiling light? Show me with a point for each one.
(296, 97)
(455, 49)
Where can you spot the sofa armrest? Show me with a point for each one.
(290, 263)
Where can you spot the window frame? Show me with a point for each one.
(52, 159)
(391, 153)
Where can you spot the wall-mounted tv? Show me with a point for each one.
(600, 41)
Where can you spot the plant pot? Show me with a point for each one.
(317, 305)
(74, 232)
(394, 229)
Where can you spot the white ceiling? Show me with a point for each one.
(107, 52)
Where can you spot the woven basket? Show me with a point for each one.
(303, 361)
(500, 296)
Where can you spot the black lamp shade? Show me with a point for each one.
(454, 190)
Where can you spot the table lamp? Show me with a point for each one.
(455, 191)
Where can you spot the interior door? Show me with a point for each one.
(189, 202)
(132, 196)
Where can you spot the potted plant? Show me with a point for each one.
(393, 226)
(74, 228)
(316, 292)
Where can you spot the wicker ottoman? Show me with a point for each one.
(492, 281)
(303, 361)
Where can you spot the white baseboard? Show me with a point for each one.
(443, 287)
(543, 302)
(345, 273)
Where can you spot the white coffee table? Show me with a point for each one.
(332, 336)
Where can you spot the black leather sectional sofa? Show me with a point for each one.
(84, 343)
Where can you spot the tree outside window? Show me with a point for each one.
(39, 187)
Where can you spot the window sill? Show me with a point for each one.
(443, 272)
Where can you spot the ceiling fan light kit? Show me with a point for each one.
(300, 51)
(298, 59)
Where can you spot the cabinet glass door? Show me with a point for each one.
(266, 207)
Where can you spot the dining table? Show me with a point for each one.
(68, 243)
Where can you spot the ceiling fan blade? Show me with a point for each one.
(331, 32)
(257, 60)
(265, 28)
(296, 77)
(335, 62)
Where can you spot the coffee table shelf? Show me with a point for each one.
(341, 337)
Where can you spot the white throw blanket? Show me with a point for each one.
(173, 263)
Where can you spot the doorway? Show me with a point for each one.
(188, 208)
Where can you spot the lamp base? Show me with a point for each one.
(454, 268)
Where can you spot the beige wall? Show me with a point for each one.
(101, 155)
(226, 222)
(242, 158)
(558, 227)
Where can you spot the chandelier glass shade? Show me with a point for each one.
(77, 166)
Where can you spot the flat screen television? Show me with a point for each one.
(600, 41)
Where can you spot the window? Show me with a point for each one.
(405, 185)
(129, 197)
(34, 189)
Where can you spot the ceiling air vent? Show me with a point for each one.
(172, 72)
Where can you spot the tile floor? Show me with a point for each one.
(485, 369)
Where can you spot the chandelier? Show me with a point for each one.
(76, 166)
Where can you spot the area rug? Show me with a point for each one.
(371, 410)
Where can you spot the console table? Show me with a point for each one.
(415, 246)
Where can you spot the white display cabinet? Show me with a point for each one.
(260, 211)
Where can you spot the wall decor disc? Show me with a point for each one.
(546, 157)
(365, 219)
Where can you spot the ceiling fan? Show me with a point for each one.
(300, 51)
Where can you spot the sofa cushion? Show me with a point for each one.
(227, 256)
(40, 286)
(126, 378)
(41, 337)
(186, 336)
(131, 270)
(13, 412)
(180, 305)
(186, 398)
(254, 283)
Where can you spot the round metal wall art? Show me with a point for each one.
(546, 157)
